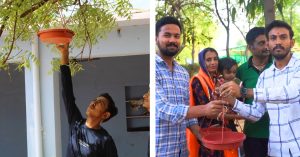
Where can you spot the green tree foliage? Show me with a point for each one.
(89, 19)
(290, 14)
(286, 10)
(199, 32)
(197, 20)
(254, 8)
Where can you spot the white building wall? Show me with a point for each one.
(127, 40)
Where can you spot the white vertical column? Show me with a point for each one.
(50, 100)
(43, 105)
(33, 107)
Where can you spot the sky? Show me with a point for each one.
(220, 40)
(141, 4)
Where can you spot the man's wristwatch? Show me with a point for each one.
(243, 92)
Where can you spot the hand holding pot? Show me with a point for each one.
(213, 108)
(64, 51)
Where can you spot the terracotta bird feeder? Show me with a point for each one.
(223, 140)
(56, 36)
(205, 131)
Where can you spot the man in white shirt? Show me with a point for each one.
(277, 92)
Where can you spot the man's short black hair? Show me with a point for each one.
(226, 64)
(166, 20)
(281, 24)
(111, 107)
(253, 34)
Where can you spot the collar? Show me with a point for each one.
(159, 60)
(250, 63)
(290, 64)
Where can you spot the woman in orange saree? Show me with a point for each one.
(202, 87)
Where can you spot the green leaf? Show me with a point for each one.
(233, 14)
(280, 9)
(91, 20)
(241, 1)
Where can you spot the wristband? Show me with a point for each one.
(243, 92)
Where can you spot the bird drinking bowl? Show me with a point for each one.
(223, 140)
(56, 36)
(205, 131)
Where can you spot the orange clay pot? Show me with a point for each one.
(56, 36)
(205, 131)
(223, 140)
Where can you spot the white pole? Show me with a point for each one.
(36, 98)
(34, 122)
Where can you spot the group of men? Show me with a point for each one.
(270, 93)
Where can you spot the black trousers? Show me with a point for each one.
(256, 147)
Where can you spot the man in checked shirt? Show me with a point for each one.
(277, 92)
(172, 111)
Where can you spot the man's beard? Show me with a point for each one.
(167, 52)
(283, 55)
(265, 53)
(261, 54)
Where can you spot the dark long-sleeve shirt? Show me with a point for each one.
(83, 141)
